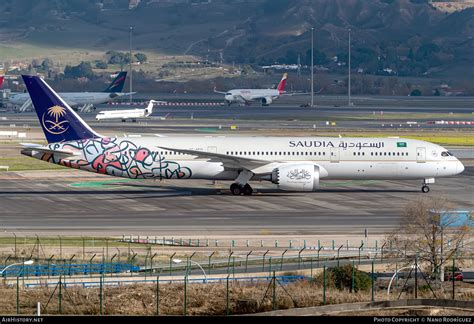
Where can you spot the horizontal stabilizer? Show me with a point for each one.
(27, 147)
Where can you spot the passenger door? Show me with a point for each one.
(335, 153)
(420, 154)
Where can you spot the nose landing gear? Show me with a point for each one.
(425, 188)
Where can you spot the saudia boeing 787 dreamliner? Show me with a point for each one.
(292, 163)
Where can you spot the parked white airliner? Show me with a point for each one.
(292, 163)
(132, 114)
(113, 91)
(245, 96)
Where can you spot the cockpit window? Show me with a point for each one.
(446, 153)
(228, 94)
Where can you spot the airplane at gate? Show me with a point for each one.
(113, 91)
(292, 163)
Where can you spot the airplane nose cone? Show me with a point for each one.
(459, 167)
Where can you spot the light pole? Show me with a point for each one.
(28, 262)
(312, 67)
(131, 74)
(394, 275)
(349, 67)
(205, 276)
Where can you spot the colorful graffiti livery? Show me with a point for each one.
(293, 164)
(121, 158)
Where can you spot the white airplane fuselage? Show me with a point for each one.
(122, 114)
(335, 158)
(72, 98)
(267, 96)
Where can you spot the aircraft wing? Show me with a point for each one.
(46, 150)
(229, 162)
(221, 92)
(299, 93)
(114, 95)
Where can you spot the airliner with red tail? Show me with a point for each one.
(245, 96)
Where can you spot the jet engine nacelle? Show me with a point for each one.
(266, 101)
(297, 177)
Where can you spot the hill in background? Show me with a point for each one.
(403, 37)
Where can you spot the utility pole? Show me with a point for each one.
(312, 67)
(349, 81)
(131, 74)
(299, 67)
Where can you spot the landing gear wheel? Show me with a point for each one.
(236, 189)
(425, 189)
(247, 190)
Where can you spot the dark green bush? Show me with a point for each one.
(341, 278)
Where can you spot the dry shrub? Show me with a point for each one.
(202, 299)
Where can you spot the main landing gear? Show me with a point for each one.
(237, 189)
(241, 186)
(425, 189)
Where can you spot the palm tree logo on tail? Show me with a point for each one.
(52, 120)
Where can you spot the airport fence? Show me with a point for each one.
(73, 256)
(219, 295)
